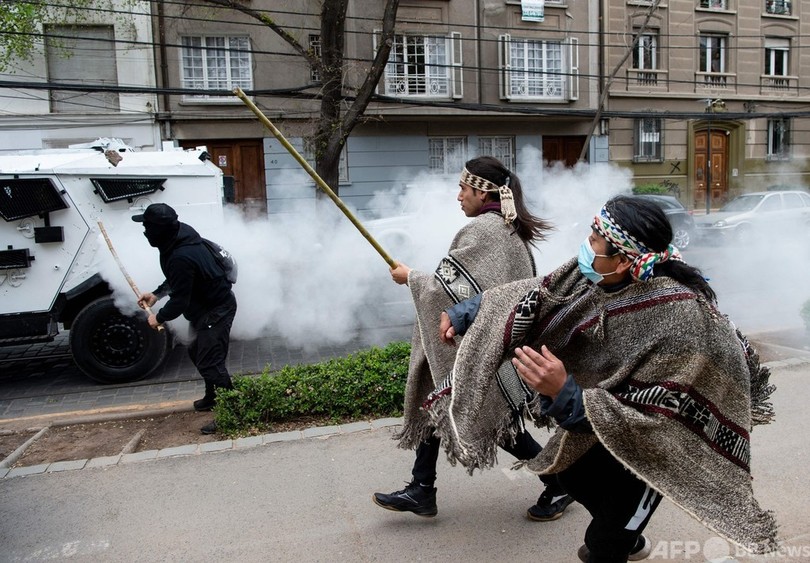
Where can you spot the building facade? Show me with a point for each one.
(711, 96)
(105, 49)
(463, 78)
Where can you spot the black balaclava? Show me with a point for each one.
(160, 235)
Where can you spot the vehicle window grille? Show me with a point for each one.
(114, 189)
(26, 197)
(15, 259)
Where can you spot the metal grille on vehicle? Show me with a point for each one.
(114, 189)
(26, 197)
(15, 259)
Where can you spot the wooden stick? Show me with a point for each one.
(318, 180)
(124, 270)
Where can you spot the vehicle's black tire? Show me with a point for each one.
(110, 347)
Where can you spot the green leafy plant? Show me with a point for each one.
(367, 383)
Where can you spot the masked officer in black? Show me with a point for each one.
(199, 290)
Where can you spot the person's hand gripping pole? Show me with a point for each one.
(145, 300)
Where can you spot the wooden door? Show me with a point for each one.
(719, 168)
(565, 148)
(243, 160)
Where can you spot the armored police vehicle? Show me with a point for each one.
(55, 264)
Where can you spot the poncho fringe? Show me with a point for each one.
(669, 385)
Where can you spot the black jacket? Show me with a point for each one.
(194, 282)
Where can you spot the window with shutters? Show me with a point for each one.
(538, 70)
(81, 55)
(424, 66)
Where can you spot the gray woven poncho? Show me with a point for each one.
(485, 253)
(667, 384)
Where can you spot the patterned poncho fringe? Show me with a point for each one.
(670, 387)
(485, 253)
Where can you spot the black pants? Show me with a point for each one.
(620, 503)
(427, 455)
(209, 351)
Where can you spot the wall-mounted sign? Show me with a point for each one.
(533, 10)
(223, 160)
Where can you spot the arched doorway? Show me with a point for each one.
(716, 153)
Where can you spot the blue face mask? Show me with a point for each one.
(586, 258)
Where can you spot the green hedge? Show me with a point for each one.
(370, 383)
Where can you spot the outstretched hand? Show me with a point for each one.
(399, 273)
(542, 371)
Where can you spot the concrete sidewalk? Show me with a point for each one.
(303, 499)
(41, 380)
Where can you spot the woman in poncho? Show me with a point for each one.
(491, 249)
(653, 389)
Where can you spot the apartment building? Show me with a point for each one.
(710, 101)
(464, 77)
(104, 49)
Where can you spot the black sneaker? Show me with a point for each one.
(640, 552)
(204, 404)
(413, 498)
(550, 506)
(210, 428)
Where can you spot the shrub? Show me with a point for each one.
(367, 383)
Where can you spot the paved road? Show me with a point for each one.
(308, 500)
(41, 379)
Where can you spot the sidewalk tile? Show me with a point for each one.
(30, 470)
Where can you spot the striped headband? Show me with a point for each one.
(644, 259)
(507, 199)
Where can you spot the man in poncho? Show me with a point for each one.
(655, 392)
(491, 249)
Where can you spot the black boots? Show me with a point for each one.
(207, 402)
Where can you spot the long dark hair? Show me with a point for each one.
(528, 227)
(647, 222)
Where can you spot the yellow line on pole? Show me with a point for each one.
(318, 180)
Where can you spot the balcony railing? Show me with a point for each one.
(779, 85)
(715, 81)
(645, 78)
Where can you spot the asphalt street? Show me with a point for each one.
(299, 498)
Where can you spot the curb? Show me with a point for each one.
(220, 446)
(322, 432)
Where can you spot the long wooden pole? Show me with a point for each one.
(315, 176)
(121, 267)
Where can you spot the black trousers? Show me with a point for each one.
(619, 502)
(427, 455)
(209, 350)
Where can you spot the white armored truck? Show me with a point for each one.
(55, 265)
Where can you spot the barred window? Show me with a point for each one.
(447, 155)
(648, 139)
(501, 148)
(778, 139)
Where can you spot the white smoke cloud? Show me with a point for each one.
(308, 276)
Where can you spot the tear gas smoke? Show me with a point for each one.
(309, 276)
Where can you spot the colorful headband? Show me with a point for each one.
(507, 199)
(644, 259)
